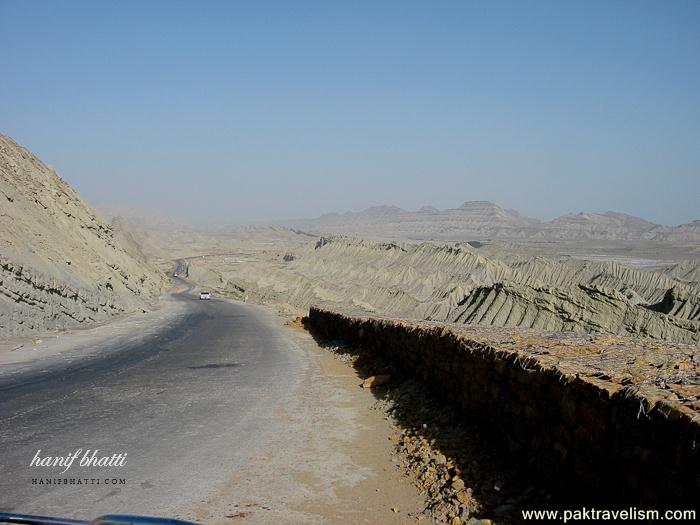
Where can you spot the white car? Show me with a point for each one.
(204, 296)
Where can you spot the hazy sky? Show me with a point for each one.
(232, 111)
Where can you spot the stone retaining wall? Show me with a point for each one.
(581, 434)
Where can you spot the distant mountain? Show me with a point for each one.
(689, 232)
(605, 220)
(486, 220)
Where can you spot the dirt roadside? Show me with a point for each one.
(330, 463)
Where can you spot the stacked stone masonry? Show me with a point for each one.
(610, 417)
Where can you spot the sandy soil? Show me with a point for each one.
(332, 464)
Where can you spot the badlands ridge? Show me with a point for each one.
(455, 283)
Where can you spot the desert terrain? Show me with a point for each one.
(649, 290)
(101, 327)
(333, 263)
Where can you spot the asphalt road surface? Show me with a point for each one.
(187, 405)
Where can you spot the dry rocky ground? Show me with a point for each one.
(463, 477)
(595, 418)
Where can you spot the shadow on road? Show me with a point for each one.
(214, 366)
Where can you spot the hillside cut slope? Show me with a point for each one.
(61, 264)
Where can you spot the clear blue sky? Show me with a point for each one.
(232, 111)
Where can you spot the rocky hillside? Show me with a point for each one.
(486, 220)
(61, 264)
(455, 283)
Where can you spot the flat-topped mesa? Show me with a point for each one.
(615, 417)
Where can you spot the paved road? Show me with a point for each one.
(187, 405)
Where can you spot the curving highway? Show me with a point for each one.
(187, 405)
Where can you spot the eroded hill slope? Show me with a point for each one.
(455, 283)
(61, 264)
